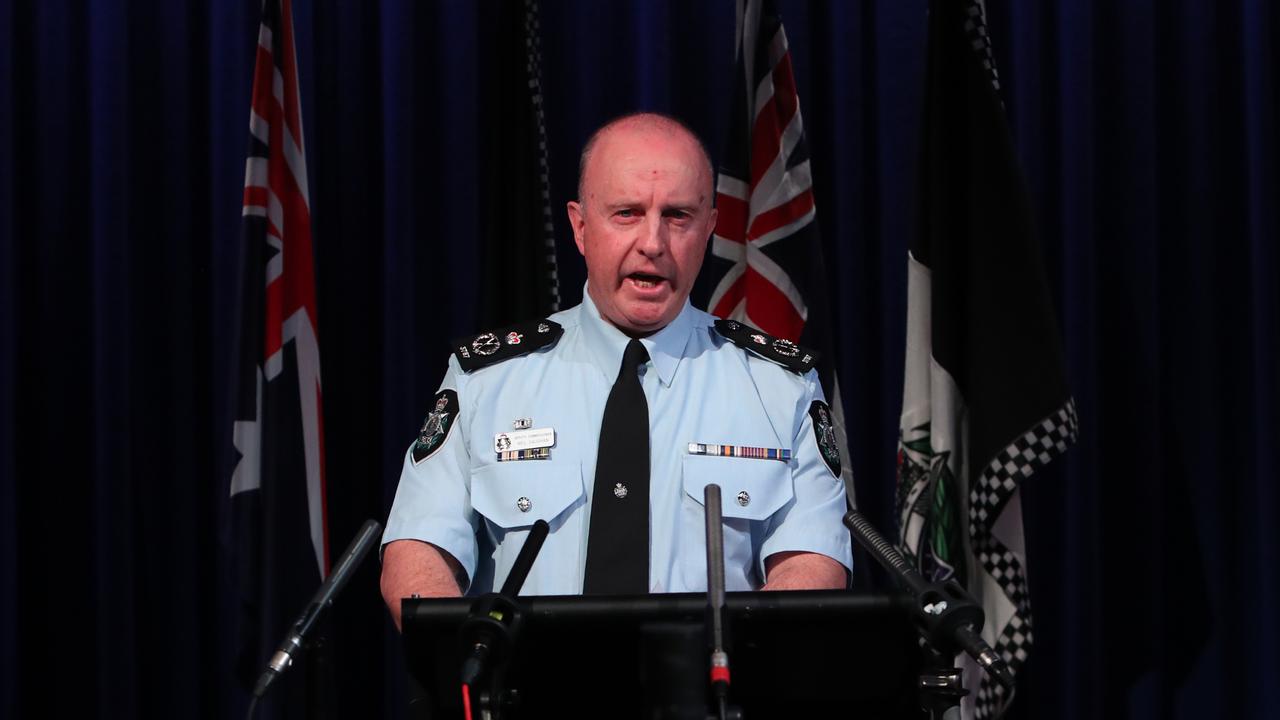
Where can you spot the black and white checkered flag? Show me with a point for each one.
(985, 398)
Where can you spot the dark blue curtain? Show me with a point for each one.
(1147, 131)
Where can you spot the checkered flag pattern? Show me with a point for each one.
(1034, 449)
(533, 66)
(975, 26)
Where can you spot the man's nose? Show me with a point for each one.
(653, 238)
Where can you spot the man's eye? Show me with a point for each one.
(626, 213)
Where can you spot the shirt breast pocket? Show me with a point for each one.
(750, 492)
(750, 489)
(512, 496)
(517, 494)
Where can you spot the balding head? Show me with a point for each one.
(642, 122)
(642, 220)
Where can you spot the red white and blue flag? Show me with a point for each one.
(278, 485)
(765, 267)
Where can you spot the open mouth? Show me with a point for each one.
(645, 281)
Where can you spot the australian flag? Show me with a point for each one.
(985, 397)
(278, 485)
(765, 267)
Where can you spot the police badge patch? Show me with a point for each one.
(824, 431)
(435, 429)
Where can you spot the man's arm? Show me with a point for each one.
(806, 546)
(803, 571)
(410, 566)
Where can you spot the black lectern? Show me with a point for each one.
(795, 654)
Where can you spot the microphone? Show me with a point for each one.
(715, 597)
(524, 561)
(494, 620)
(945, 613)
(332, 585)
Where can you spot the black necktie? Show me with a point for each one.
(618, 541)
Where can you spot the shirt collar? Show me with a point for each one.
(606, 343)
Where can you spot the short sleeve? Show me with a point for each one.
(813, 520)
(433, 500)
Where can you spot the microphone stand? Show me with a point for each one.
(947, 618)
(492, 626)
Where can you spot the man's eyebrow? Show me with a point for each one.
(691, 204)
(619, 205)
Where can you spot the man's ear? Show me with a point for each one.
(577, 221)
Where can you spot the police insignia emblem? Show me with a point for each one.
(513, 338)
(544, 328)
(486, 344)
(758, 339)
(786, 347)
(824, 432)
(436, 428)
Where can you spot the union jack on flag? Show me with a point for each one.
(278, 485)
(766, 254)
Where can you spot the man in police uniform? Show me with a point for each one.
(520, 426)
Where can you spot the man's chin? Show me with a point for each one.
(645, 320)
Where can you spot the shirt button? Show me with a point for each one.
(744, 499)
(524, 504)
(619, 490)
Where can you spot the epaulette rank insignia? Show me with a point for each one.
(512, 341)
(780, 350)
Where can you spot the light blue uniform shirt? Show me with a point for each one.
(700, 388)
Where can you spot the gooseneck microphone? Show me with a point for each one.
(494, 620)
(332, 585)
(947, 616)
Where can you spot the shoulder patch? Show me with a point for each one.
(824, 432)
(436, 428)
(512, 341)
(780, 350)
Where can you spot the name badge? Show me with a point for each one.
(524, 440)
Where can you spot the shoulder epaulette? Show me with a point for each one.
(495, 346)
(780, 350)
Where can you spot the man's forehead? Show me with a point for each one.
(630, 184)
(626, 155)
